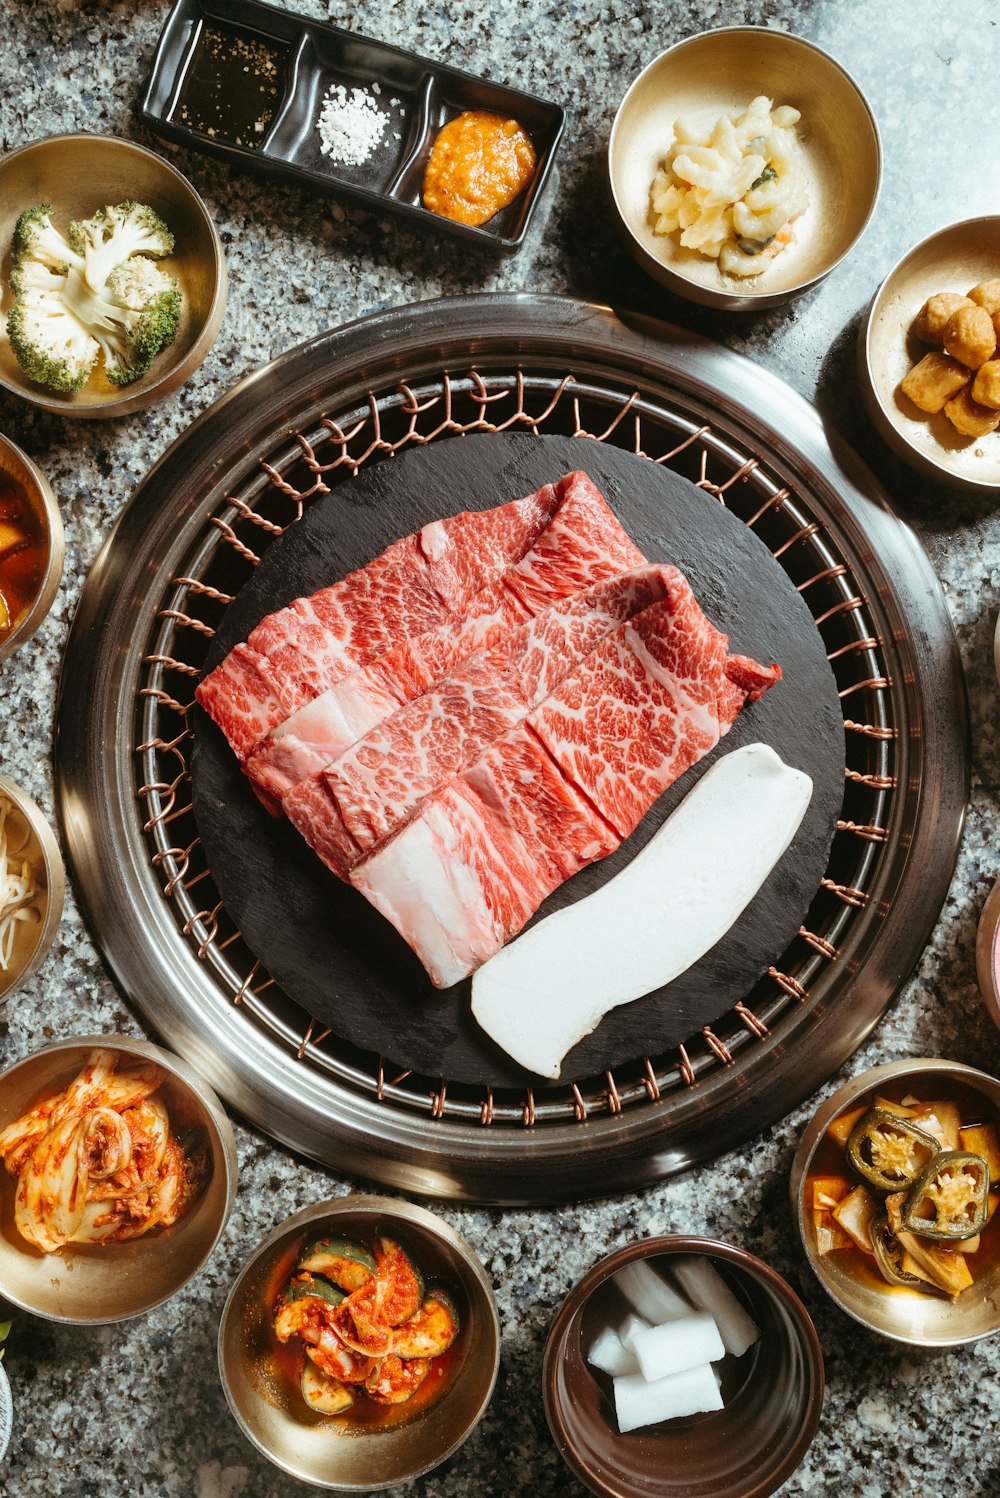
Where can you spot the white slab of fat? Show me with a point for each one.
(608, 1353)
(677, 1346)
(677, 898)
(708, 1291)
(639, 1403)
(649, 1293)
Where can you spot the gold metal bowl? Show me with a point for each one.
(899, 1314)
(773, 1394)
(32, 939)
(78, 174)
(720, 72)
(329, 1451)
(952, 259)
(89, 1284)
(19, 467)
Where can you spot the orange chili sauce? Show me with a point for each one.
(830, 1159)
(478, 165)
(288, 1359)
(22, 553)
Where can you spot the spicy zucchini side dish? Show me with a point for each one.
(370, 1325)
(918, 1195)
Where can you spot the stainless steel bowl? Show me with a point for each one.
(78, 174)
(35, 487)
(330, 1451)
(901, 1315)
(955, 258)
(86, 1283)
(773, 1393)
(32, 939)
(719, 72)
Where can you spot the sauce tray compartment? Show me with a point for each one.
(246, 81)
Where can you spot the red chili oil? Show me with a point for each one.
(830, 1159)
(23, 553)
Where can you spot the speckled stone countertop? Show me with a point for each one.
(136, 1409)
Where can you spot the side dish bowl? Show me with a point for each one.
(17, 467)
(719, 72)
(327, 1450)
(91, 1283)
(745, 1450)
(77, 174)
(32, 939)
(954, 258)
(900, 1314)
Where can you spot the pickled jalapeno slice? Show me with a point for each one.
(949, 1200)
(889, 1151)
(889, 1257)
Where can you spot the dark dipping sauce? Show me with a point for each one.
(23, 553)
(231, 87)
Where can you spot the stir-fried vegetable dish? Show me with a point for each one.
(921, 1190)
(369, 1325)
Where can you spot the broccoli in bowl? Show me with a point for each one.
(95, 292)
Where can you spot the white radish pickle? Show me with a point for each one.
(545, 991)
(649, 1294)
(677, 1346)
(610, 1355)
(708, 1291)
(639, 1403)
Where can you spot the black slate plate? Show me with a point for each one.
(330, 950)
(221, 62)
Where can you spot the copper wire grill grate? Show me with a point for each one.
(274, 493)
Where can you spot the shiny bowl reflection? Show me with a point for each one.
(899, 1314)
(91, 1283)
(774, 1393)
(333, 1452)
(719, 72)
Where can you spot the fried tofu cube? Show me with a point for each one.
(970, 418)
(935, 381)
(970, 337)
(986, 385)
(932, 319)
(987, 294)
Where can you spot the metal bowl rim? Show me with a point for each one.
(171, 379)
(747, 300)
(181, 1071)
(811, 1138)
(382, 1207)
(55, 545)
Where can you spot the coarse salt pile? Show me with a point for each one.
(350, 124)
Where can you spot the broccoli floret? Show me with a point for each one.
(115, 234)
(98, 294)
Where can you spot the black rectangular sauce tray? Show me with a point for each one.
(246, 81)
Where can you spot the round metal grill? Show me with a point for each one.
(245, 481)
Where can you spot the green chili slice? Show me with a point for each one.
(889, 1257)
(949, 1200)
(889, 1151)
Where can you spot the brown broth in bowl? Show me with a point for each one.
(23, 550)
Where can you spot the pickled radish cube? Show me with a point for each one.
(649, 1294)
(608, 1354)
(677, 1346)
(628, 1329)
(639, 1403)
(708, 1292)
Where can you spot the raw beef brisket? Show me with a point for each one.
(362, 796)
(419, 582)
(561, 789)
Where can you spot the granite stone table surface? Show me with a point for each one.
(136, 1409)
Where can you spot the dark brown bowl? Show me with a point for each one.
(773, 1394)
